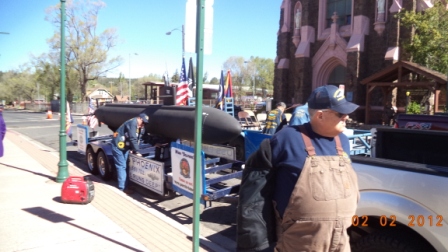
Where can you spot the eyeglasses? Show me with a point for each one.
(339, 115)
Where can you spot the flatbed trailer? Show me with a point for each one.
(250, 140)
(169, 169)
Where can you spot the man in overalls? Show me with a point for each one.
(305, 170)
(316, 191)
(126, 138)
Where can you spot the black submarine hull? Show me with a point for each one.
(174, 122)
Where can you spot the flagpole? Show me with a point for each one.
(200, 17)
(183, 42)
(63, 164)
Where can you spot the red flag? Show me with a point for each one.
(182, 88)
(228, 86)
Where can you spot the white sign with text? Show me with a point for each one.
(182, 164)
(147, 173)
(81, 134)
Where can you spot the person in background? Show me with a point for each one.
(306, 171)
(274, 118)
(300, 115)
(54, 104)
(126, 138)
(2, 130)
(389, 113)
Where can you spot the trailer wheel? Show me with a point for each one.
(389, 242)
(91, 161)
(103, 166)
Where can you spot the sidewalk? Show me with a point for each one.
(33, 218)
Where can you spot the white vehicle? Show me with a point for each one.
(404, 203)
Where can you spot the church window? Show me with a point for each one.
(343, 9)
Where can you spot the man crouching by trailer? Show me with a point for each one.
(127, 138)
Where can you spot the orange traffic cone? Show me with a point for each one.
(49, 114)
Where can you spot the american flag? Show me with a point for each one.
(92, 121)
(182, 88)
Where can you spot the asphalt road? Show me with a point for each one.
(218, 222)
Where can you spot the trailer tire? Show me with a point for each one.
(388, 242)
(103, 166)
(91, 161)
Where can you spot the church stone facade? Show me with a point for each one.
(338, 42)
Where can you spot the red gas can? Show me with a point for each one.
(78, 190)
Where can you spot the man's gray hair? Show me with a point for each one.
(312, 112)
(281, 104)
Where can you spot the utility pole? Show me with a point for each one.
(253, 77)
(130, 94)
(183, 38)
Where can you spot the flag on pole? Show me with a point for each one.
(166, 79)
(228, 86)
(68, 121)
(191, 81)
(92, 121)
(219, 101)
(182, 88)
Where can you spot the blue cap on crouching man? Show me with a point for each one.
(144, 117)
(330, 97)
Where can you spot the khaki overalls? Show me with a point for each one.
(322, 204)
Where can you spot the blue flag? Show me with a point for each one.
(220, 98)
(191, 81)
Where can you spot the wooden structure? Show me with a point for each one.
(158, 93)
(398, 76)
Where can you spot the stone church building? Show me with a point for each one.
(338, 42)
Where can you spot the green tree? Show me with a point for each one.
(245, 72)
(175, 78)
(413, 108)
(20, 85)
(5, 89)
(121, 81)
(428, 42)
(86, 49)
(214, 80)
(48, 75)
(238, 72)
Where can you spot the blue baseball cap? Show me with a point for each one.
(330, 97)
(144, 117)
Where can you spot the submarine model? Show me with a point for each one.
(174, 122)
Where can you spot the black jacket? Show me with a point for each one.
(255, 214)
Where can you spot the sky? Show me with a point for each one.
(242, 28)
